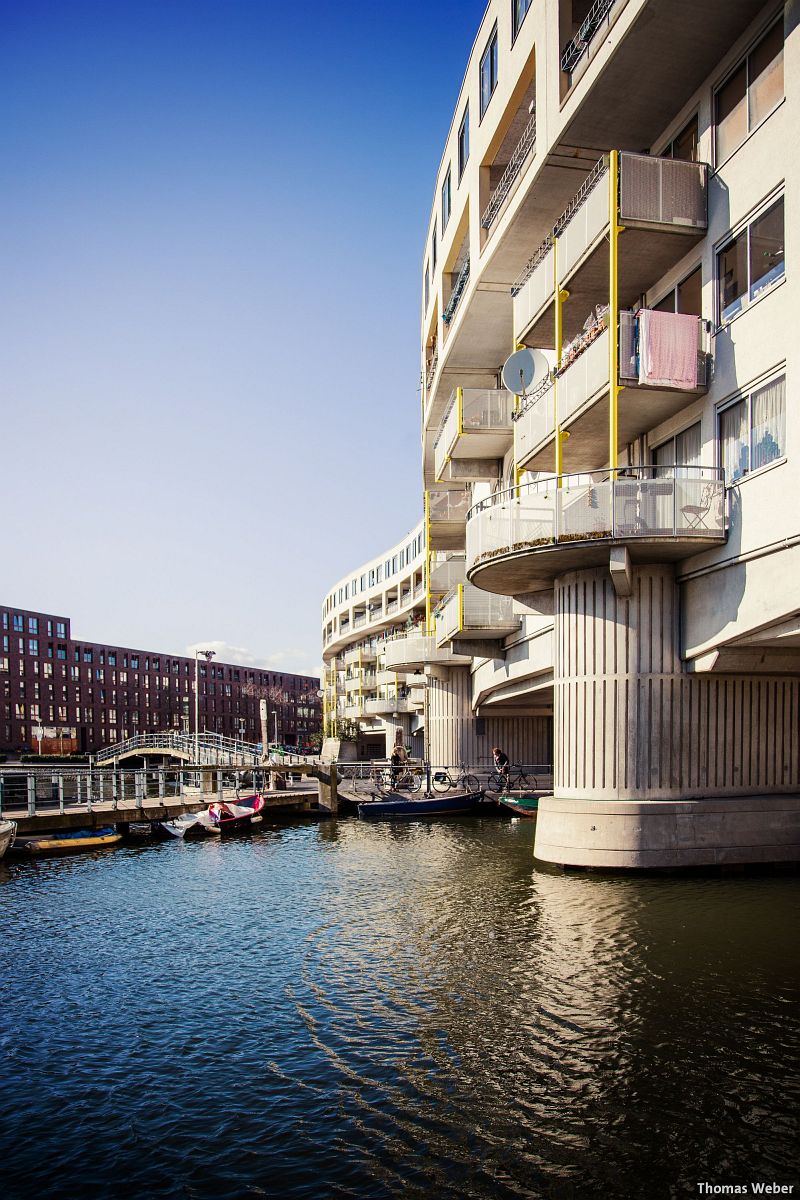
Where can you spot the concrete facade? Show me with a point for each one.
(647, 535)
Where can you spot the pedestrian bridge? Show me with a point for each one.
(207, 750)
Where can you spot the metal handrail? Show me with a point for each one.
(457, 292)
(541, 388)
(590, 182)
(606, 475)
(575, 47)
(513, 168)
(430, 373)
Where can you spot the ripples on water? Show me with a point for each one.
(353, 1010)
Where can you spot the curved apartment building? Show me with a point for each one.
(387, 672)
(616, 190)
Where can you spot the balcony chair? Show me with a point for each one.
(695, 514)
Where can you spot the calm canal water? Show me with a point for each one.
(352, 1010)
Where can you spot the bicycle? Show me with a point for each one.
(395, 779)
(512, 779)
(443, 781)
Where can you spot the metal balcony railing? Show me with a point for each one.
(469, 608)
(456, 294)
(686, 502)
(576, 47)
(447, 506)
(430, 370)
(447, 570)
(520, 153)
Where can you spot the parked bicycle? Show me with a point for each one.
(443, 781)
(396, 779)
(514, 779)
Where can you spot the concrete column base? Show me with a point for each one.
(625, 834)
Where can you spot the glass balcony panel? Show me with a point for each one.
(534, 293)
(585, 226)
(447, 506)
(534, 425)
(583, 378)
(447, 570)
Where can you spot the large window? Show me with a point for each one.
(752, 430)
(446, 200)
(684, 144)
(434, 252)
(463, 143)
(686, 297)
(751, 92)
(427, 286)
(683, 450)
(489, 71)
(518, 10)
(751, 262)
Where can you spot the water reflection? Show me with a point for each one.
(391, 1010)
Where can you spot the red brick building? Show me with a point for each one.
(67, 694)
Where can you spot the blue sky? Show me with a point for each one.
(211, 223)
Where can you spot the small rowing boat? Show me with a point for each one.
(221, 817)
(66, 842)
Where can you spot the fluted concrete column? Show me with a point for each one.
(651, 760)
(617, 691)
(391, 725)
(449, 711)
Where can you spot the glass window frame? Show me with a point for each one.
(744, 61)
(516, 21)
(491, 57)
(463, 143)
(746, 398)
(447, 199)
(746, 299)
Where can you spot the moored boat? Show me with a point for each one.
(65, 842)
(8, 830)
(405, 808)
(226, 817)
(521, 806)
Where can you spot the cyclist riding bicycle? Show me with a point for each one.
(502, 764)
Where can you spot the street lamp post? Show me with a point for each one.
(275, 727)
(207, 655)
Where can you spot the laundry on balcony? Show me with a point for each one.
(668, 349)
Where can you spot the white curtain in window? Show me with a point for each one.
(733, 441)
(769, 422)
(689, 447)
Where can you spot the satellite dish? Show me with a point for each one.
(523, 369)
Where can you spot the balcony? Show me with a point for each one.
(447, 571)
(531, 534)
(662, 204)
(507, 183)
(458, 291)
(476, 426)
(416, 651)
(386, 705)
(353, 712)
(359, 654)
(582, 390)
(470, 613)
(447, 512)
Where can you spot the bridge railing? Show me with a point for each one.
(213, 748)
(44, 792)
